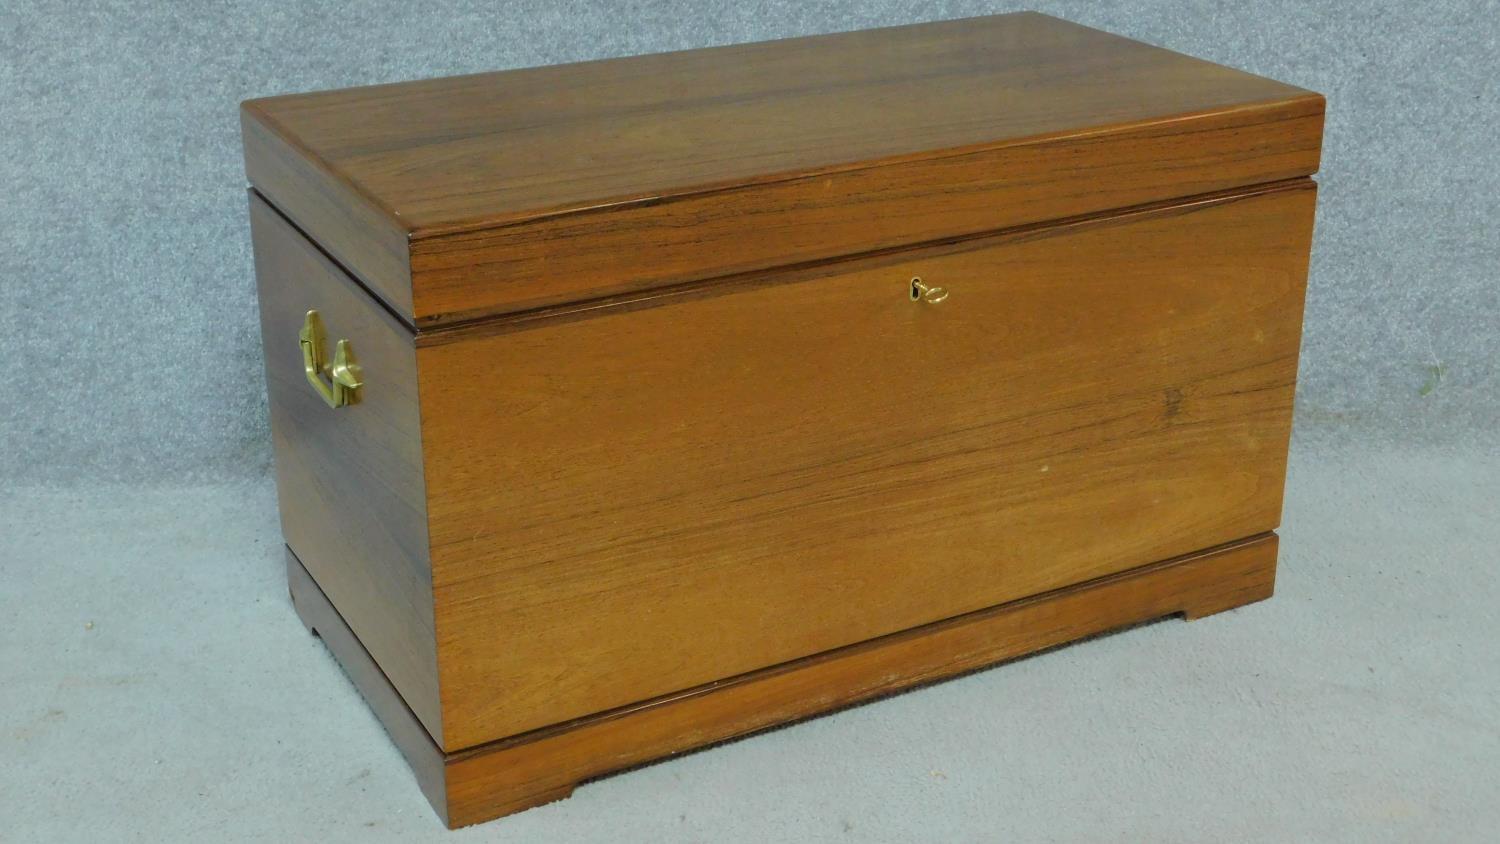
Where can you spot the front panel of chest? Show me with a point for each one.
(629, 501)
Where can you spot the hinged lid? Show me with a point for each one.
(461, 198)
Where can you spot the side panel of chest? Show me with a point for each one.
(349, 480)
(643, 499)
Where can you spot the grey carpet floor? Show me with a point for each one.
(157, 686)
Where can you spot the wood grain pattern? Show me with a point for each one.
(577, 256)
(508, 776)
(356, 230)
(532, 770)
(525, 188)
(350, 481)
(645, 500)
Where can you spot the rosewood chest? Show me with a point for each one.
(625, 406)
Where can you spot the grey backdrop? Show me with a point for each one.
(128, 339)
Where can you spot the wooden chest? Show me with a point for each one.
(625, 406)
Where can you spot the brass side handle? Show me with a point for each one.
(343, 374)
(921, 291)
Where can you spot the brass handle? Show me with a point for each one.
(923, 292)
(342, 386)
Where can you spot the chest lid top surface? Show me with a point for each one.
(467, 197)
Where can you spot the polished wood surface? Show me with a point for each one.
(578, 256)
(523, 189)
(508, 776)
(646, 499)
(350, 481)
(357, 231)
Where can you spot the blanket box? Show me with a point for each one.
(626, 406)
